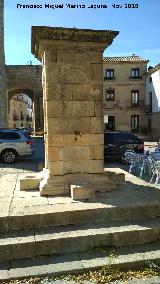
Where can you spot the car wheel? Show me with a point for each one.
(9, 156)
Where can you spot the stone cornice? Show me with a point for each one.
(57, 33)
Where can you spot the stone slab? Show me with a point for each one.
(123, 258)
(82, 192)
(30, 182)
(47, 266)
(17, 245)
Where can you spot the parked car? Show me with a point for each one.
(117, 142)
(29, 130)
(15, 143)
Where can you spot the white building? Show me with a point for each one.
(152, 101)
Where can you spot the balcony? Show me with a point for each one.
(109, 78)
(148, 109)
(135, 77)
(15, 117)
(131, 105)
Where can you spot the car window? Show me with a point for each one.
(128, 138)
(11, 136)
(2, 135)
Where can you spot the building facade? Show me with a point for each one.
(21, 111)
(124, 93)
(152, 101)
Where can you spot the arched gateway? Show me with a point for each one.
(26, 79)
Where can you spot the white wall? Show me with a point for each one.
(153, 87)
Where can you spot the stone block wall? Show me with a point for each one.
(74, 116)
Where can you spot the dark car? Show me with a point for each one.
(117, 142)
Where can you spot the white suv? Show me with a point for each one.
(15, 143)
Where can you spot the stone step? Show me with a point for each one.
(77, 213)
(77, 238)
(122, 258)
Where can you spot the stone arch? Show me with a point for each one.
(27, 79)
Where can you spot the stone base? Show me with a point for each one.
(52, 186)
(61, 185)
(30, 182)
(80, 192)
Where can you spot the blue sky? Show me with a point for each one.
(139, 28)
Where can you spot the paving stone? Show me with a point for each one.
(17, 245)
(47, 266)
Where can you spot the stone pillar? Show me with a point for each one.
(72, 79)
(3, 90)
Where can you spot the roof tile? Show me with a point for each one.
(118, 59)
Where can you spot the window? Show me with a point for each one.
(134, 98)
(135, 123)
(135, 72)
(109, 94)
(150, 79)
(109, 74)
(9, 136)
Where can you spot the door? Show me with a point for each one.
(111, 123)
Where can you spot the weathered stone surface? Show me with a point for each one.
(53, 92)
(80, 192)
(56, 168)
(73, 153)
(97, 139)
(30, 182)
(54, 108)
(77, 140)
(52, 186)
(81, 125)
(76, 166)
(55, 154)
(96, 72)
(98, 108)
(55, 140)
(52, 74)
(74, 74)
(82, 92)
(97, 124)
(78, 108)
(67, 91)
(50, 56)
(97, 152)
(55, 125)
(17, 246)
(96, 166)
